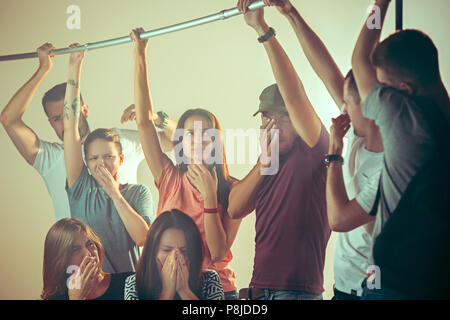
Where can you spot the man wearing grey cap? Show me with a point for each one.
(292, 228)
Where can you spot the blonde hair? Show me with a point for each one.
(58, 251)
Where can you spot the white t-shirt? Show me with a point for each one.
(51, 166)
(361, 172)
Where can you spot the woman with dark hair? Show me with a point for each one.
(199, 184)
(73, 257)
(120, 214)
(170, 265)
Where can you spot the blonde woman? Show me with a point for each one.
(73, 257)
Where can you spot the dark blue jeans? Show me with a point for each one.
(339, 295)
(381, 294)
(231, 295)
(289, 295)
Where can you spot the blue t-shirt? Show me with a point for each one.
(90, 203)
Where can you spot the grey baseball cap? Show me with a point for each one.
(270, 100)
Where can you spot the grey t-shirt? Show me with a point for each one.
(90, 203)
(407, 141)
(50, 164)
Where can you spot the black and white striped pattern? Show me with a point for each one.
(210, 286)
(130, 288)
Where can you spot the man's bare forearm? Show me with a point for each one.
(243, 194)
(344, 214)
(363, 70)
(336, 193)
(18, 104)
(318, 56)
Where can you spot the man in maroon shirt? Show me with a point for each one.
(292, 227)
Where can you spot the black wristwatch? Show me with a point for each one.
(164, 119)
(333, 157)
(267, 36)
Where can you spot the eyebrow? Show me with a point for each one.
(103, 154)
(192, 130)
(170, 247)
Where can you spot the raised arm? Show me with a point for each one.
(156, 159)
(25, 139)
(242, 198)
(72, 141)
(363, 70)
(343, 214)
(302, 114)
(315, 51)
(165, 135)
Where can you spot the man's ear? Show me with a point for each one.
(121, 156)
(85, 110)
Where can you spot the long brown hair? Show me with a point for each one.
(148, 279)
(58, 251)
(223, 176)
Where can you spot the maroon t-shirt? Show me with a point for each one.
(292, 229)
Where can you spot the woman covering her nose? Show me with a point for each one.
(73, 257)
(170, 265)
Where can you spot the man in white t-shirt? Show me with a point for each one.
(48, 158)
(351, 189)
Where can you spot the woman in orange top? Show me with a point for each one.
(199, 184)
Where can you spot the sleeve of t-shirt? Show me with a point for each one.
(211, 286)
(144, 204)
(82, 183)
(168, 178)
(322, 144)
(366, 198)
(47, 157)
(383, 104)
(130, 292)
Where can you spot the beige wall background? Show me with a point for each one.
(219, 66)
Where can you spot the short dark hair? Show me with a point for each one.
(352, 87)
(56, 93)
(408, 55)
(104, 134)
(148, 280)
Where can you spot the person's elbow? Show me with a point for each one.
(5, 120)
(338, 226)
(237, 212)
(237, 206)
(233, 212)
(140, 241)
(142, 237)
(218, 254)
(337, 222)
